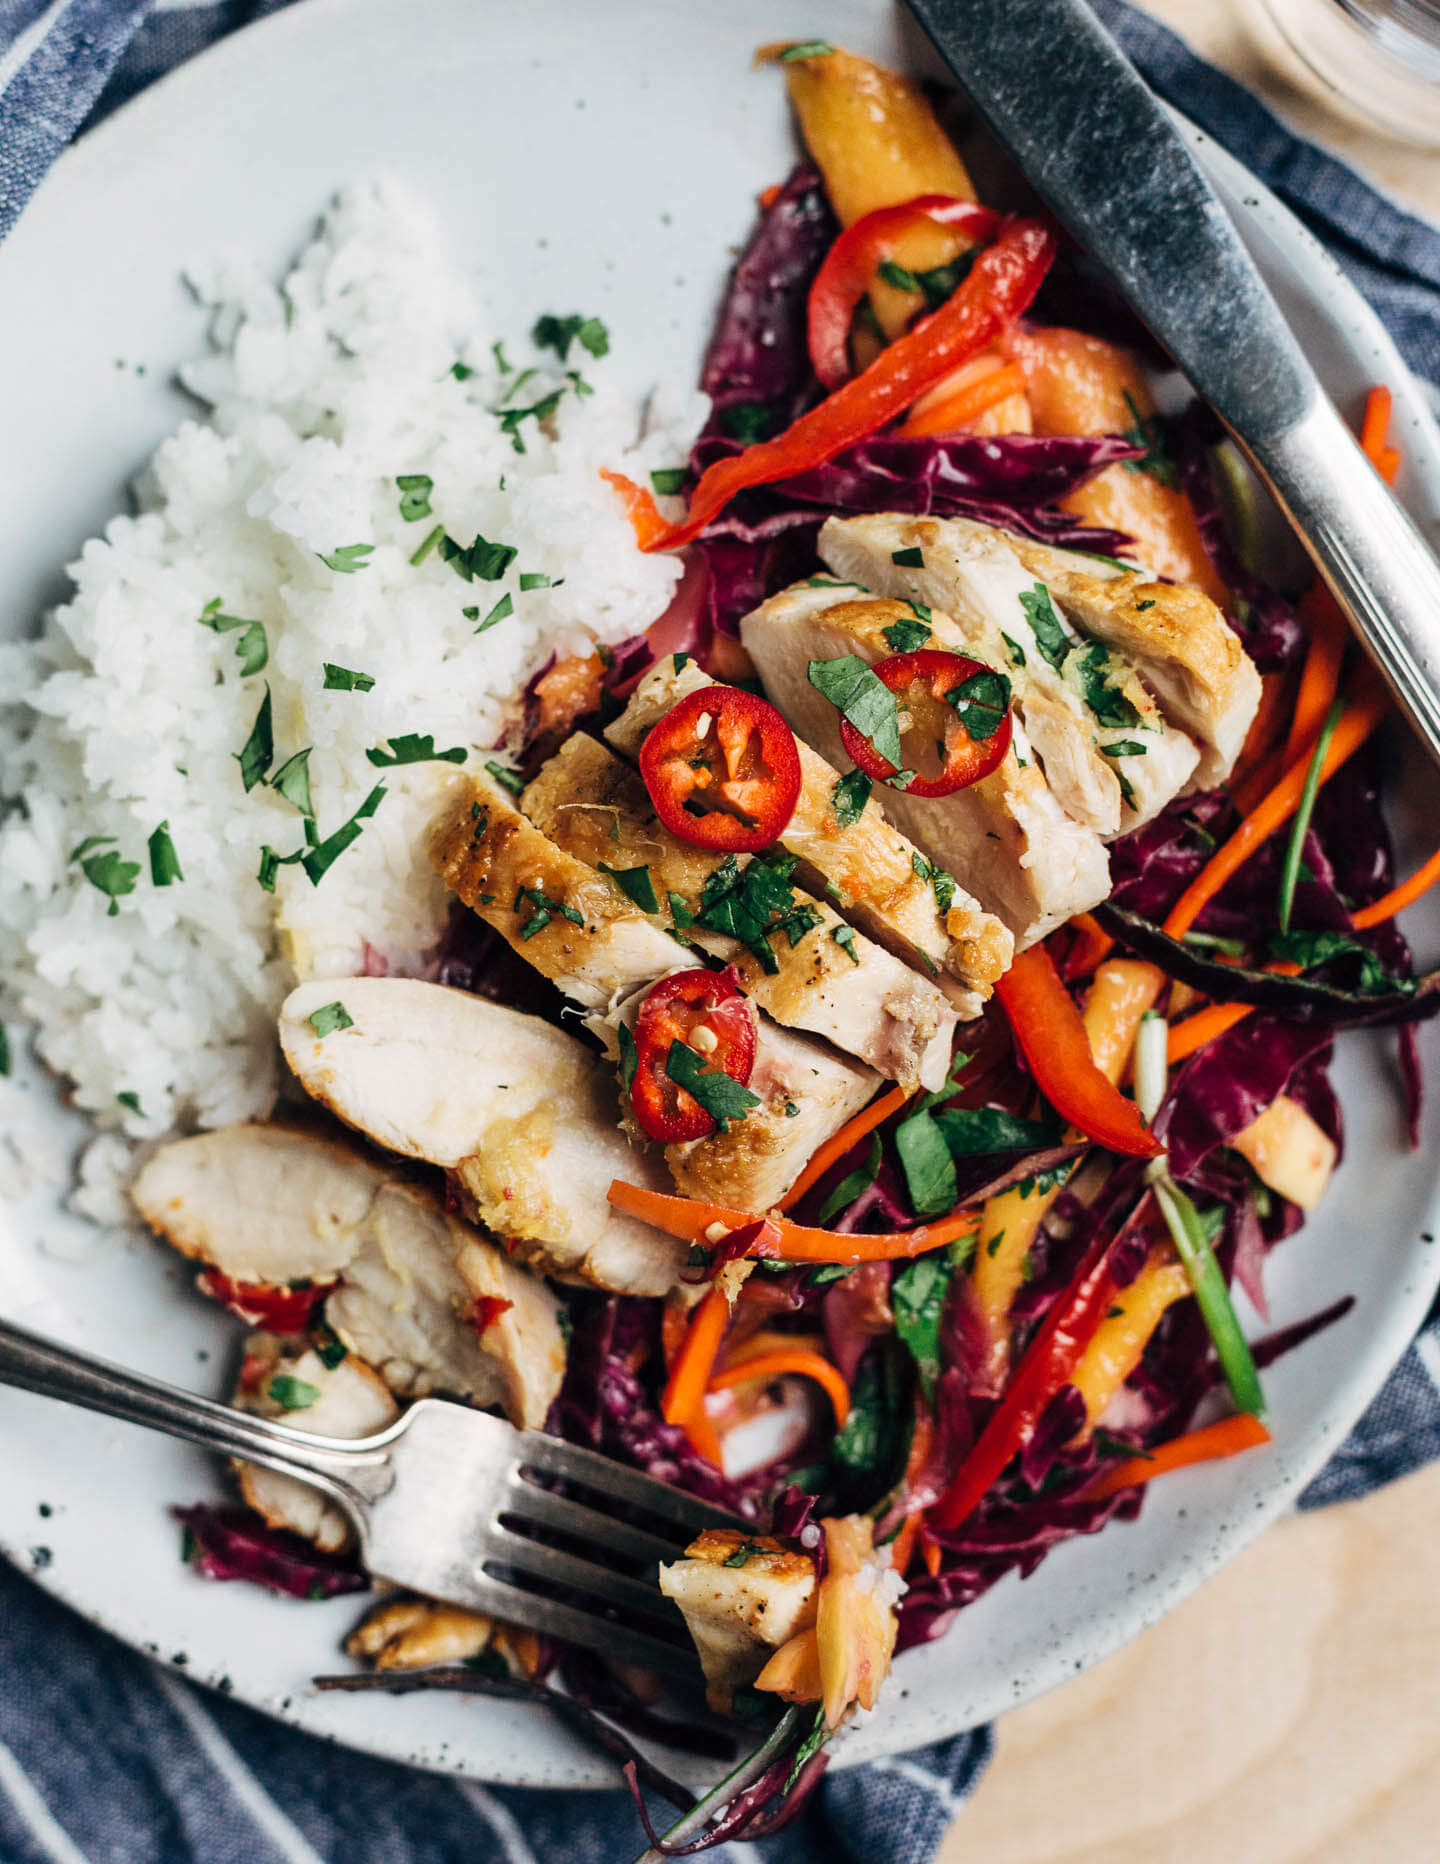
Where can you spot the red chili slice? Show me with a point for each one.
(683, 1008)
(278, 1308)
(851, 263)
(722, 770)
(955, 723)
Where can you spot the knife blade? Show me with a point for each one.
(1101, 152)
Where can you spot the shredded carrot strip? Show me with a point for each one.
(851, 1133)
(689, 1220)
(966, 404)
(799, 1363)
(1375, 425)
(1398, 898)
(1227, 1438)
(768, 196)
(1204, 1026)
(645, 520)
(1320, 680)
(1357, 722)
(903, 1544)
(683, 1402)
(932, 1553)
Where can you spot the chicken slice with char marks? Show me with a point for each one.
(757, 1160)
(976, 579)
(523, 1113)
(846, 988)
(1005, 839)
(559, 914)
(741, 1597)
(409, 1274)
(866, 868)
(290, 1382)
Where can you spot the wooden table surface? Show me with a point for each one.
(1290, 1711)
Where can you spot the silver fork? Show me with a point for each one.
(447, 1501)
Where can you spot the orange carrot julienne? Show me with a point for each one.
(1227, 1438)
(1204, 1026)
(1375, 424)
(966, 404)
(800, 1364)
(690, 1221)
(1398, 898)
(1357, 722)
(1320, 679)
(903, 1544)
(1092, 947)
(851, 1133)
(640, 509)
(683, 1402)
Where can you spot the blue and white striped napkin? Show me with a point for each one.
(108, 1758)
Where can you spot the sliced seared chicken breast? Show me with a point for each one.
(812, 972)
(294, 1384)
(524, 1114)
(865, 867)
(602, 959)
(1109, 752)
(1005, 839)
(414, 1284)
(741, 1598)
(562, 916)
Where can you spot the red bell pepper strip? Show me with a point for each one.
(1051, 1357)
(851, 264)
(678, 1009)
(999, 288)
(951, 701)
(1051, 1037)
(277, 1307)
(723, 770)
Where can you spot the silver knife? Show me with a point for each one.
(1098, 148)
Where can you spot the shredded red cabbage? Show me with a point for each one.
(232, 1542)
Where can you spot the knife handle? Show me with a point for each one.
(1375, 562)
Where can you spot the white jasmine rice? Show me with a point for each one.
(158, 1000)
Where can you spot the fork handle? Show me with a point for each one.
(352, 1472)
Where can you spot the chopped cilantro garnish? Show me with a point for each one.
(558, 333)
(1112, 708)
(481, 558)
(1050, 636)
(4, 1052)
(507, 778)
(829, 582)
(981, 703)
(131, 1100)
(905, 636)
(1124, 747)
(258, 752)
(1149, 431)
(293, 1394)
(668, 480)
(754, 904)
(1014, 649)
(810, 48)
(533, 579)
(681, 911)
(721, 1096)
(252, 649)
(415, 748)
(942, 281)
(346, 680)
(850, 1187)
(629, 1057)
(538, 411)
(318, 861)
(330, 1017)
(164, 862)
(742, 1553)
(853, 689)
(679, 662)
(271, 863)
(911, 559)
(292, 781)
(849, 797)
(415, 490)
(345, 559)
(1142, 606)
(635, 883)
(462, 371)
(844, 937)
(545, 910)
(502, 611)
(330, 1349)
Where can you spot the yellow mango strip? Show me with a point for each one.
(1123, 990)
(1121, 1338)
(1288, 1152)
(877, 142)
(793, 1673)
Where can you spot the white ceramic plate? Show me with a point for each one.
(607, 159)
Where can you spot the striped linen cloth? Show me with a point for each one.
(108, 1758)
